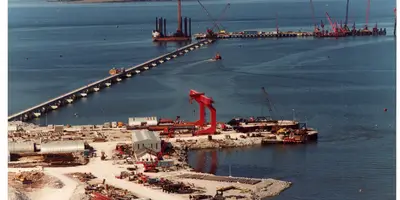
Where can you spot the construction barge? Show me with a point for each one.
(181, 35)
(291, 34)
(337, 29)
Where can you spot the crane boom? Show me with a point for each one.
(367, 16)
(209, 15)
(330, 22)
(271, 111)
(221, 16)
(347, 14)
(313, 13)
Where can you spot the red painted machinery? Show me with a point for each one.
(204, 102)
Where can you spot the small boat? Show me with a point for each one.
(137, 71)
(191, 48)
(186, 50)
(119, 79)
(153, 64)
(201, 44)
(69, 100)
(174, 55)
(161, 61)
(217, 57)
(128, 75)
(37, 114)
(197, 46)
(108, 84)
(168, 58)
(181, 53)
(96, 89)
(54, 107)
(146, 68)
(83, 94)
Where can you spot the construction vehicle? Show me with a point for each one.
(115, 71)
(219, 195)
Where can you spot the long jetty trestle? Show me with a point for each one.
(70, 97)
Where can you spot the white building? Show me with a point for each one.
(144, 140)
(142, 121)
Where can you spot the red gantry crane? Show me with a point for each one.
(204, 102)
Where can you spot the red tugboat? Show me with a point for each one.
(217, 57)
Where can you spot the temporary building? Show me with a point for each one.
(145, 139)
(62, 147)
(138, 121)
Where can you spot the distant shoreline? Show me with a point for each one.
(106, 1)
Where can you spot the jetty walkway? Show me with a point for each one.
(70, 97)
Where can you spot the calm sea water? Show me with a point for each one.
(341, 87)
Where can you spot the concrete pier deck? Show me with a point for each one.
(82, 92)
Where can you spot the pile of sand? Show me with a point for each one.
(14, 194)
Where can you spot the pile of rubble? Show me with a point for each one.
(83, 177)
(28, 177)
(28, 180)
(218, 143)
(165, 184)
(108, 192)
(22, 125)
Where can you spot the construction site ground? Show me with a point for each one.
(108, 170)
